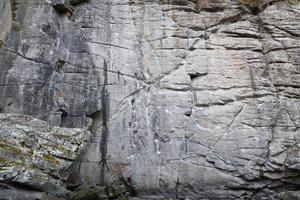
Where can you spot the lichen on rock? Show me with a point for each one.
(196, 99)
(35, 155)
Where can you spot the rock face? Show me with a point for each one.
(35, 158)
(185, 98)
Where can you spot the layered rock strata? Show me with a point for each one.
(35, 159)
(185, 98)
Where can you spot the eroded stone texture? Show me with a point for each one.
(185, 98)
(46, 70)
(35, 158)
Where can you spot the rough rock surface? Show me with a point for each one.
(185, 98)
(35, 158)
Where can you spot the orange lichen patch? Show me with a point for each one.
(117, 168)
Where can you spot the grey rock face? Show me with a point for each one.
(59, 90)
(195, 98)
(34, 156)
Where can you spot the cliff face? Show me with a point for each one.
(184, 98)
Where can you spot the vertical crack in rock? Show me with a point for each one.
(263, 30)
(104, 135)
(203, 95)
(177, 188)
(105, 99)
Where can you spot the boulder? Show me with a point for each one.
(37, 157)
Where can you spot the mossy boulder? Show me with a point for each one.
(35, 155)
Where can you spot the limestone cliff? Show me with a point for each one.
(195, 99)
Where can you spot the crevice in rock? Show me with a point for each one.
(96, 121)
(188, 113)
(105, 115)
(21, 186)
(212, 9)
(196, 75)
(118, 19)
(177, 188)
(192, 48)
(241, 35)
(63, 118)
(175, 2)
(14, 10)
(59, 64)
(132, 101)
(235, 117)
(62, 157)
(77, 2)
(62, 7)
(1, 43)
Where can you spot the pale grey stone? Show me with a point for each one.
(188, 99)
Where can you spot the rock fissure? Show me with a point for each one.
(183, 99)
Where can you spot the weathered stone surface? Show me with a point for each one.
(185, 98)
(34, 156)
(290, 195)
(62, 6)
